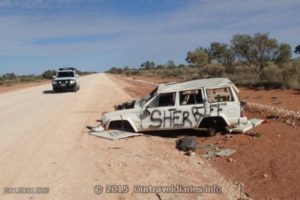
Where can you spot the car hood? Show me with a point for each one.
(108, 116)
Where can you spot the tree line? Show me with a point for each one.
(246, 59)
(257, 49)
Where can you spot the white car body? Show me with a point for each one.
(187, 105)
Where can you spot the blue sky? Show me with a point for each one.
(36, 35)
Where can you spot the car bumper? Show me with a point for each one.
(64, 86)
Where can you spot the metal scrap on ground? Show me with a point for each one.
(215, 150)
(112, 134)
(242, 128)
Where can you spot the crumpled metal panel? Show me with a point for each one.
(114, 134)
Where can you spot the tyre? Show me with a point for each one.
(75, 89)
(211, 132)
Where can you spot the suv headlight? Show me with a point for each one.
(72, 81)
(54, 82)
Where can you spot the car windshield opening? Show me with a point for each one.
(148, 97)
(65, 74)
(164, 100)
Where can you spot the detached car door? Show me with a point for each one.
(158, 114)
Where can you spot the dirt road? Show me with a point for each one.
(44, 143)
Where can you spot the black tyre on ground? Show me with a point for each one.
(212, 132)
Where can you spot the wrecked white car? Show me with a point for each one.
(206, 104)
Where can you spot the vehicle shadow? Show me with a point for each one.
(176, 133)
(48, 92)
(52, 92)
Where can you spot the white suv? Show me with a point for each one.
(209, 104)
(66, 79)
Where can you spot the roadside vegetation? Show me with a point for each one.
(249, 60)
(10, 79)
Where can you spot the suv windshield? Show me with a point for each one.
(65, 74)
(148, 97)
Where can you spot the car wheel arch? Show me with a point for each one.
(212, 121)
(117, 124)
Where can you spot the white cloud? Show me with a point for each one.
(160, 37)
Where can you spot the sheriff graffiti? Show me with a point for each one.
(175, 117)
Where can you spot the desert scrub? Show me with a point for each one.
(212, 71)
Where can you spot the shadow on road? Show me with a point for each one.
(52, 92)
(48, 92)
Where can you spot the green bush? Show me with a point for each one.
(212, 71)
(291, 75)
(49, 74)
(244, 75)
(271, 73)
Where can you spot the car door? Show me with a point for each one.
(158, 114)
(191, 108)
(224, 102)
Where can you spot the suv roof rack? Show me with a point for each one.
(67, 68)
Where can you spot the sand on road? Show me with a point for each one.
(44, 143)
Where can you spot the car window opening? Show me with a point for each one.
(191, 97)
(219, 95)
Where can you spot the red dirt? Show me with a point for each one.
(268, 166)
(288, 99)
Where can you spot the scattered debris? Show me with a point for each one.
(230, 160)
(290, 122)
(213, 150)
(187, 144)
(190, 153)
(254, 134)
(125, 105)
(95, 129)
(242, 128)
(227, 137)
(273, 117)
(266, 175)
(225, 152)
(111, 134)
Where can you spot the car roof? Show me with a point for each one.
(67, 69)
(194, 84)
